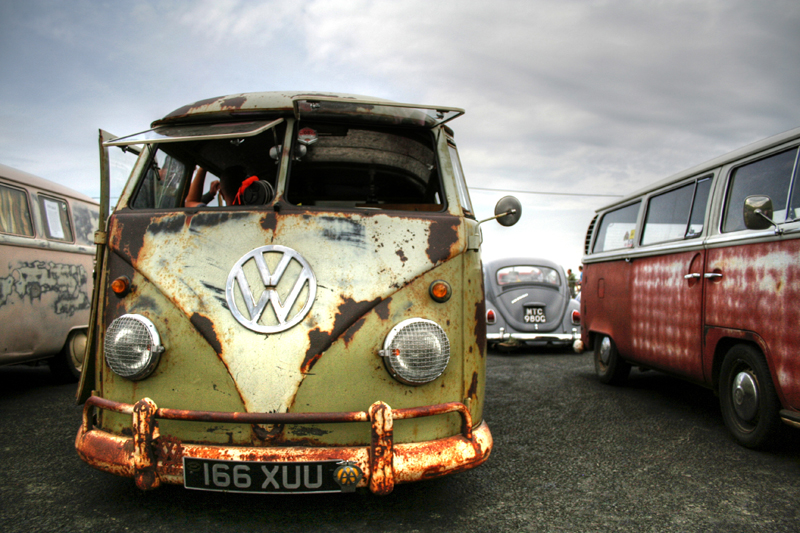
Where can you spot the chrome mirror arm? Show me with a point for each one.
(509, 212)
(778, 229)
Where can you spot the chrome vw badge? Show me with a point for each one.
(289, 286)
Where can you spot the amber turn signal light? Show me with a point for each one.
(440, 291)
(121, 286)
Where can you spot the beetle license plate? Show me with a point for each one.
(270, 478)
(535, 315)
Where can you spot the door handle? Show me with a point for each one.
(712, 275)
(692, 276)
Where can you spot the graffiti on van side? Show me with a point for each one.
(33, 279)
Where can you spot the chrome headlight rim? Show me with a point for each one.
(402, 363)
(148, 347)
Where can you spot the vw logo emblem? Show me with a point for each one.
(291, 276)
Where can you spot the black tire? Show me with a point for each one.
(608, 365)
(68, 364)
(747, 397)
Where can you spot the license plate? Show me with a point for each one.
(535, 315)
(269, 478)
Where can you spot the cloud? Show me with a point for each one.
(601, 96)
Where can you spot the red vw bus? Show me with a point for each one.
(699, 276)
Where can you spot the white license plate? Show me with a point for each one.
(262, 477)
(535, 315)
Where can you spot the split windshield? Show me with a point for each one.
(333, 166)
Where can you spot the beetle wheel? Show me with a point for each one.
(608, 365)
(747, 396)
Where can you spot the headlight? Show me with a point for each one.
(132, 346)
(416, 351)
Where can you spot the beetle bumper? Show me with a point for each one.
(151, 460)
(546, 337)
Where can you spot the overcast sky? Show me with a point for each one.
(588, 98)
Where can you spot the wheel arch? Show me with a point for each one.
(726, 339)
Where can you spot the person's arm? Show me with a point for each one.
(194, 196)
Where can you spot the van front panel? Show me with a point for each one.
(369, 268)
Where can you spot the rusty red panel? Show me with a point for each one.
(758, 292)
(604, 311)
(666, 313)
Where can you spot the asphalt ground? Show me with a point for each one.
(570, 454)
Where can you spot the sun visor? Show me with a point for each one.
(196, 132)
(370, 111)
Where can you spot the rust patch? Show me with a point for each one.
(206, 328)
(473, 388)
(185, 110)
(212, 218)
(127, 237)
(443, 235)
(401, 255)
(382, 449)
(167, 224)
(352, 330)
(269, 221)
(382, 309)
(319, 341)
(480, 322)
(171, 450)
(233, 103)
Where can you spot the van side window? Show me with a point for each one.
(85, 223)
(617, 229)
(794, 202)
(15, 213)
(771, 177)
(699, 205)
(676, 214)
(162, 183)
(56, 219)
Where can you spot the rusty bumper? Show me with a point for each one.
(151, 460)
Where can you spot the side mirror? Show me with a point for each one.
(508, 211)
(758, 212)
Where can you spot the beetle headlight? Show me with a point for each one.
(416, 351)
(132, 346)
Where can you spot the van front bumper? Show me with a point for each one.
(151, 460)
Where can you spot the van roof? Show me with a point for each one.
(246, 106)
(745, 151)
(25, 179)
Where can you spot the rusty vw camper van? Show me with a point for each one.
(699, 276)
(47, 241)
(290, 300)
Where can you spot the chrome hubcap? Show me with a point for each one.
(605, 350)
(745, 395)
